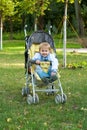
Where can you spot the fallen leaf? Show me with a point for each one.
(9, 119)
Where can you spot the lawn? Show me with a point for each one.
(16, 114)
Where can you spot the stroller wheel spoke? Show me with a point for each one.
(58, 99)
(29, 99)
(63, 98)
(36, 99)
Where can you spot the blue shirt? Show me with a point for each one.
(49, 57)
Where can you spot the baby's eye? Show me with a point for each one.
(45, 50)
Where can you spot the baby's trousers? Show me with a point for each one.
(43, 74)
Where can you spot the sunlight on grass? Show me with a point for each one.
(13, 48)
(12, 53)
(5, 65)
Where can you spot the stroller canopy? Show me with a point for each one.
(38, 37)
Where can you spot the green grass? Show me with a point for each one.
(16, 114)
(71, 43)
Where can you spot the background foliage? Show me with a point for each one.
(50, 13)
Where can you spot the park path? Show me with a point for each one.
(81, 50)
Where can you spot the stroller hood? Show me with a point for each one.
(38, 37)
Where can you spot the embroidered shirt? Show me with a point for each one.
(50, 57)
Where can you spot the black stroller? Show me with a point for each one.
(33, 81)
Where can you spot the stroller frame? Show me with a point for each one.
(32, 97)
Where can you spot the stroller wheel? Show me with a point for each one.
(58, 99)
(25, 91)
(64, 99)
(36, 100)
(29, 99)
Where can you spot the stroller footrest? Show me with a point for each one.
(47, 90)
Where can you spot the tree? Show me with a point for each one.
(80, 25)
(80, 22)
(6, 9)
(34, 7)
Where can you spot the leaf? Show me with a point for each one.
(9, 119)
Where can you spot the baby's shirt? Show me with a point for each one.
(50, 57)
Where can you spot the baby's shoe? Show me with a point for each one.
(53, 78)
(45, 80)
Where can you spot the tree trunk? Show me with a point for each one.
(41, 23)
(1, 31)
(80, 24)
(35, 24)
(11, 29)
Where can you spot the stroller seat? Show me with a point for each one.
(43, 64)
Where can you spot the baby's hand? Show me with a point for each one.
(38, 62)
(53, 73)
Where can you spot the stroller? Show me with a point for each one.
(33, 81)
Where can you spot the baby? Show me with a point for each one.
(46, 55)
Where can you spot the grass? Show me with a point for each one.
(16, 114)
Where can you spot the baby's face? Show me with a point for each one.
(44, 51)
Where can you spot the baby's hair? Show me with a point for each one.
(45, 44)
